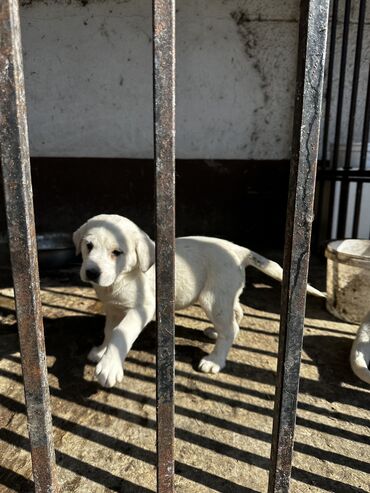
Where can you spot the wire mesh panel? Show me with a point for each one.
(310, 76)
(22, 241)
(164, 143)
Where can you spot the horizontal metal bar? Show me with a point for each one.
(353, 179)
(22, 241)
(310, 76)
(164, 145)
(337, 174)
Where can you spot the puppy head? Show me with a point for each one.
(111, 245)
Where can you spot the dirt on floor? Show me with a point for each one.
(105, 438)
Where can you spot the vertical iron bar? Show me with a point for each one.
(310, 76)
(342, 76)
(164, 154)
(363, 157)
(343, 201)
(22, 241)
(329, 87)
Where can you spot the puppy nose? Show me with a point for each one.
(92, 274)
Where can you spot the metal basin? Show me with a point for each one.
(55, 251)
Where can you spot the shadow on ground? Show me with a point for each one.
(105, 439)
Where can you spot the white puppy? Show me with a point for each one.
(360, 353)
(118, 260)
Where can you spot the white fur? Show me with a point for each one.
(209, 271)
(360, 353)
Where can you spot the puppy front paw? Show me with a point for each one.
(208, 365)
(96, 353)
(109, 370)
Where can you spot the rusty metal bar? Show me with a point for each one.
(22, 240)
(164, 155)
(309, 89)
(344, 190)
(363, 155)
(333, 33)
(338, 122)
(326, 126)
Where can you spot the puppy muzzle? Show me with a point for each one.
(92, 274)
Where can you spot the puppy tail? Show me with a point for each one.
(269, 267)
(360, 353)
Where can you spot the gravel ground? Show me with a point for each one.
(105, 438)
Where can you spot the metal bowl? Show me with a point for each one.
(55, 251)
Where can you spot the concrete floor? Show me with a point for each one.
(105, 439)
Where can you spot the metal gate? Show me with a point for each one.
(344, 172)
(21, 230)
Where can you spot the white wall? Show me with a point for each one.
(89, 85)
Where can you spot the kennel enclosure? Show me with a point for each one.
(22, 240)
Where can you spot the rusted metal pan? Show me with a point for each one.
(164, 150)
(22, 241)
(310, 75)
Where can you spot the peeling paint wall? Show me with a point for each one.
(89, 86)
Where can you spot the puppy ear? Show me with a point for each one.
(145, 251)
(77, 238)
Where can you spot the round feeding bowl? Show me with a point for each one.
(55, 250)
(348, 279)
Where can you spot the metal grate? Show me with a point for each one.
(18, 194)
(344, 174)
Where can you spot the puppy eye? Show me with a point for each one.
(117, 253)
(89, 246)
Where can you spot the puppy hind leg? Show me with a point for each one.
(205, 303)
(211, 332)
(216, 360)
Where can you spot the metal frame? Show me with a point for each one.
(342, 75)
(23, 251)
(310, 78)
(164, 156)
(329, 172)
(352, 112)
(18, 194)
